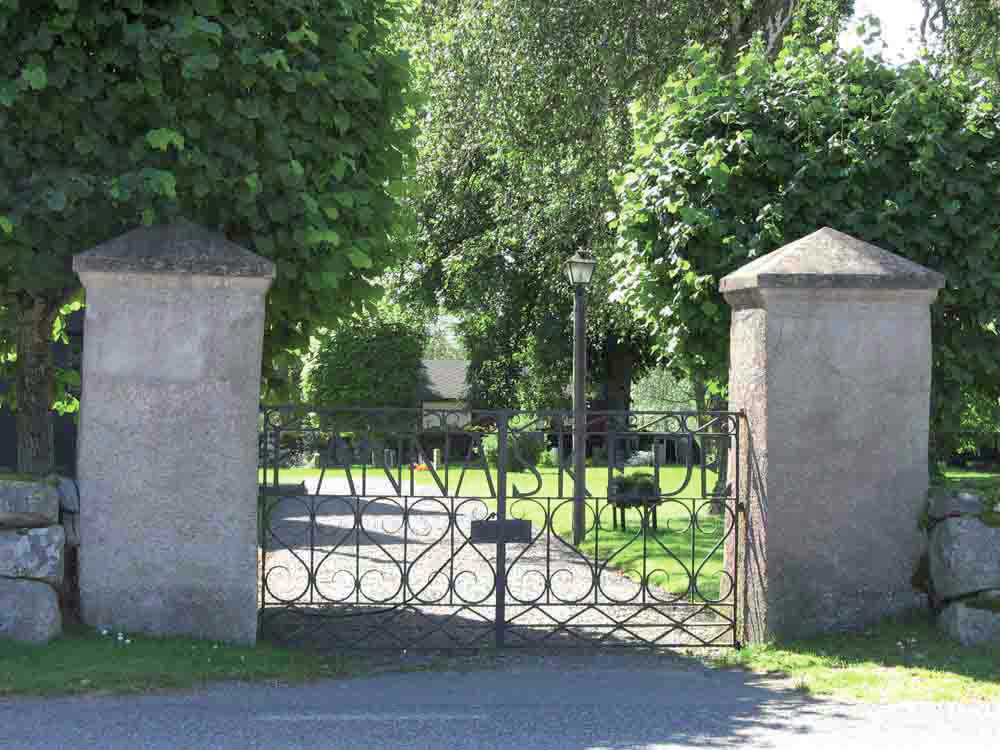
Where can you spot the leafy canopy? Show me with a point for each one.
(731, 164)
(281, 123)
(967, 33)
(527, 111)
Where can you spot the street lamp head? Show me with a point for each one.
(580, 269)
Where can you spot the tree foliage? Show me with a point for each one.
(442, 341)
(731, 164)
(372, 359)
(968, 32)
(661, 390)
(527, 111)
(279, 123)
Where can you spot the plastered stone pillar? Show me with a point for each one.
(168, 433)
(830, 357)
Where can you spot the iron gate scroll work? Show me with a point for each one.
(379, 547)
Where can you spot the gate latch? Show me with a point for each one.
(488, 531)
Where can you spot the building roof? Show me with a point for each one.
(444, 380)
(831, 259)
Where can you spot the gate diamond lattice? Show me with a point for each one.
(382, 548)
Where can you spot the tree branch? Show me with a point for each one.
(777, 24)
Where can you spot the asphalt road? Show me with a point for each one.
(530, 705)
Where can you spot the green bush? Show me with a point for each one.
(523, 449)
(599, 456)
(643, 483)
(372, 359)
(547, 460)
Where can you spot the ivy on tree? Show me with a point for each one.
(282, 124)
(733, 163)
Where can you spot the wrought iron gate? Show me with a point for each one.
(444, 529)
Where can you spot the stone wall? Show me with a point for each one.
(964, 564)
(32, 559)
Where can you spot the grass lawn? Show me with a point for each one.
(84, 661)
(904, 659)
(673, 552)
(668, 555)
(981, 480)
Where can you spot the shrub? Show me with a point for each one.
(640, 458)
(372, 360)
(548, 459)
(599, 456)
(523, 449)
(640, 484)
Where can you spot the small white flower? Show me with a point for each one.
(215, 645)
(128, 641)
(121, 636)
(105, 631)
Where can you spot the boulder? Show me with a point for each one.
(945, 503)
(28, 503)
(973, 622)
(29, 611)
(964, 557)
(33, 553)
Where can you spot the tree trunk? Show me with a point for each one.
(705, 403)
(35, 386)
(700, 389)
(721, 490)
(618, 385)
(617, 394)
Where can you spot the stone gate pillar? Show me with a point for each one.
(830, 357)
(168, 433)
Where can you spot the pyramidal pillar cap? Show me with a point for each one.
(828, 259)
(180, 247)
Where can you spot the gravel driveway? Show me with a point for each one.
(423, 583)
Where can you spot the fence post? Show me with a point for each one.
(503, 432)
(168, 442)
(831, 360)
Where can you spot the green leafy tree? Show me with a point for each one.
(661, 390)
(733, 163)
(967, 33)
(282, 124)
(527, 111)
(373, 359)
(442, 340)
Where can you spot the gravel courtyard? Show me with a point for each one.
(424, 584)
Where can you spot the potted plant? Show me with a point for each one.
(632, 491)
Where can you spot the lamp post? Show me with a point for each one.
(579, 271)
